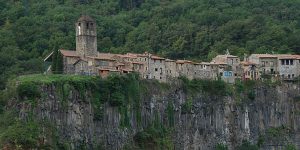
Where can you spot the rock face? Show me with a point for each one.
(212, 119)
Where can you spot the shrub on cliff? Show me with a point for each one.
(246, 145)
(28, 90)
(21, 135)
(211, 87)
(116, 99)
(221, 147)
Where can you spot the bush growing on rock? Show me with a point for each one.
(28, 90)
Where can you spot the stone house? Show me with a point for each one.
(288, 66)
(233, 63)
(156, 68)
(205, 70)
(267, 63)
(69, 59)
(250, 71)
(185, 68)
(229, 67)
(171, 69)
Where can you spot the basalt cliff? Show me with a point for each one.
(129, 113)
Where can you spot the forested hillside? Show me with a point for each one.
(190, 29)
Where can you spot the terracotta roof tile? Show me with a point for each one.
(157, 57)
(183, 61)
(170, 60)
(264, 55)
(288, 56)
(69, 53)
(248, 63)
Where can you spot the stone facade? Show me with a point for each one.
(288, 66)
(267, 63)
(86, 37)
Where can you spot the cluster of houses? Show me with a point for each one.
(86, 60)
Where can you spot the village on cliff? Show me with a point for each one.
(86, 60)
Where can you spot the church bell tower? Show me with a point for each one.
(86, 37)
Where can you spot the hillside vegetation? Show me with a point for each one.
(190, 29)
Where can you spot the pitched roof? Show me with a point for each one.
(264, 55)
(205, 63)
(288, 56)
(157, 57)
(120, 64)
(170, 60)
(183, 61)
(104, 56)
(126, 56)
(227, 56)
(248, 63)
(68, 53)
(125, 69)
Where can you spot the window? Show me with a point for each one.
(289, 76)
(153, 77)
(291, 62)
(160, 78)
(272, 70)
(287, 62)
(79, 31)
(156, 69)
(263, 63)
(87, 25)
(146, 68)
(271, 63)
(282, 62)
(103, 63)
(92, 24)
(170, 71)
(145, 59)
(293, 75)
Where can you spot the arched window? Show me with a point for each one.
(79, 29)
